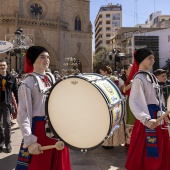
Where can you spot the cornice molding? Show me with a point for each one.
(59, 24)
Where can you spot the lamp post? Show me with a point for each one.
(115, 53)
(19, 37)
(21, 42)
(168, 65)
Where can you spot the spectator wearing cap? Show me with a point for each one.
(161, 75)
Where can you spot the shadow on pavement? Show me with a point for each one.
(99, 159)
(7, 164)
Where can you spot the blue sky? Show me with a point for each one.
(129, 7)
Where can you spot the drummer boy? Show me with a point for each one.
(31, 116)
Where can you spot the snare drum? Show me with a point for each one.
(82, 110)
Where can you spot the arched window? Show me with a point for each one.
(77, 24)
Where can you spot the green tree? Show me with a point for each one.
(102, 58)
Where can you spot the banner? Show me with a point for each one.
(5, 46)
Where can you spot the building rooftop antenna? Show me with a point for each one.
(136, 14)
(154, 9)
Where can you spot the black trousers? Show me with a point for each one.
(5, 121)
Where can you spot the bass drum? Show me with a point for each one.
(84, 110)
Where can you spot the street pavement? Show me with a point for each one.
(98, 159)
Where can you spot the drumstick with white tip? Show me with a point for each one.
(58, 145)
(163, 116)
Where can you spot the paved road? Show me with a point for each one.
(98, 159)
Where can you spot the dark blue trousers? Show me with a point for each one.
(5, 124)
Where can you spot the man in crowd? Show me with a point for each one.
(161, 75)
(8, 84)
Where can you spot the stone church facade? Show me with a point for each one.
(61, 26)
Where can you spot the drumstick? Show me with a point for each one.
(58, 145)
(163, 116)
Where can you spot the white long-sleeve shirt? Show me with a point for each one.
(31, 104)
(142, 94)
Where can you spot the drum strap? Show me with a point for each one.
(151, 77)
(41, 86)
(51, 77)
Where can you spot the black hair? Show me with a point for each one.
(3, 60)
(126, 66)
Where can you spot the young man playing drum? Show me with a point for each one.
(150, 144)
(31, 117)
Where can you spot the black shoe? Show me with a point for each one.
(8, 148)
(1, 147)
(108, 147)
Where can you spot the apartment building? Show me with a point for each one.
(124, 42)
(108, 19)
(156, 20)
(127, 39)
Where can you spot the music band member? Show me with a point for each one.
(31, 116)
(150, 145)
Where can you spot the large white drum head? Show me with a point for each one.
(78, 113)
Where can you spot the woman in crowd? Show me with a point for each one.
(125, 84)
(106, 70)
